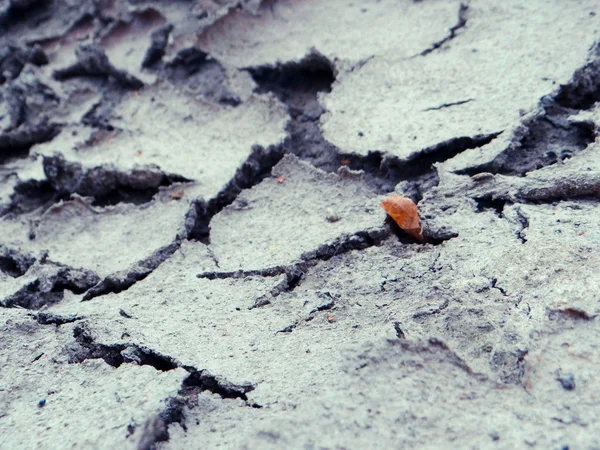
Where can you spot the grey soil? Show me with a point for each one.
(193, 252)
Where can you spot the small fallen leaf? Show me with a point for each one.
(404, 212)
(280, 179)
(138, 153)
(177, 195)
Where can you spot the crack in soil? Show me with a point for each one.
(255, 169)
(123, 280)
(383, 172)
(550, 137)
(48, 288)
(294, 273)
(197, 381)
(452, 33)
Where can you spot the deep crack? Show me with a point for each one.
(255, 169)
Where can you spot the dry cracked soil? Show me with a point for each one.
(193, 252)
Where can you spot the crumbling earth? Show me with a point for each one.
(192, 247)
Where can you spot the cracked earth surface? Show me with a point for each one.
(192, 247)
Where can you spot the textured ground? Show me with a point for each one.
(192, 250)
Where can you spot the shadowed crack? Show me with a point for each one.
(48, 288)
(584, 88)
(124, 279)
(448, 105)
(297, 85)
(550, 137)
(544, 140)
(462, 22)
(156, 427)
(19, 140)
(158, 44)
(294, 273)
(92, 61)
(490, 203)
(31, 195)
(14, 262)
(384, 172)
(13, 58)
(524, 224)
(200, 75)
(255, 169)
(199, 380)
(86, 347)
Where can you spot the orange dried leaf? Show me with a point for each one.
(280, 179)
(177, 195)
(404, 212)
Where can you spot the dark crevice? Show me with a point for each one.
(14, 262)
(202, 380)
(295, 273)
(49, 286)
(31, 195)
(85, 347)
(297, 85)
(584, 88)
(158, 44)
(490, 203)
(550, 137)
(123, 280)
(494, 285)
(156, 427)
(200, 75)
(92, 61)
(399, 333)
(16, 143)
(288, 329)
(383, 173)
(255, 169)
(13, 58)
(462, 22)
(199, 380)
(524, 224)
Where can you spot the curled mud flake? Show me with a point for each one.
(483, 176)
(404, 212)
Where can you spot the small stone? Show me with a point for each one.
(567, 381)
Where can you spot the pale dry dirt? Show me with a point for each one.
(193, 252)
